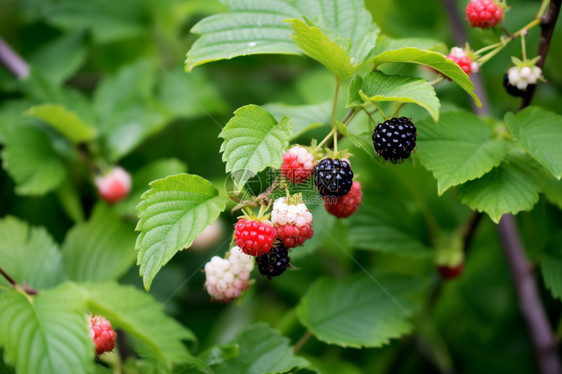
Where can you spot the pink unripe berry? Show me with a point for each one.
(113, 186)
(102, 334)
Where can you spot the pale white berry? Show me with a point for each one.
(523, 76)
(226, 278)
(283, 213)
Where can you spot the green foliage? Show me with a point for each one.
(318, 46)
(253, 140)
(64, 121)
(377, 86)
(539, 132)
(171, 215)
(304, 117)
(458, 148)
(434, 60)
(262, 350)
(365, 310)
(46, 335)
(100, 249)
(29, 255)
(509, 188)
(29, 158)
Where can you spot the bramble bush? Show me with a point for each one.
(315, 187)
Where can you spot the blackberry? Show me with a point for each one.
(333, 177)
(274, 262)
(395, 138)
(513, 90)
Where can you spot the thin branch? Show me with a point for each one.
(8, 278)
(12, 61)
(544, 340)
(302, 341)
(548, 21)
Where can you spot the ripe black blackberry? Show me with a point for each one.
(333, 177)
(274, 262)
(395, 138)
(513, 90)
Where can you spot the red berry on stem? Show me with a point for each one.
(484, 13)
(292, 235)
(297, 164)
(102, 334)
(451, 272)
(344, 206)
(113, 186)
(254, 237)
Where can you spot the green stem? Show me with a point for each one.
(335, 103)
(328, 137)
(380, 110)
(523, 47)
(436, 80)
(302, 341)
(542, 9)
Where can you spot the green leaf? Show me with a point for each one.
(361, 142)
(321, 48)
(383, 223)
(69, 199)
(434, 60)
(262, 350)
(458, 148)
(551, 263)
(256, 27)
(321, 225)
(29, 158)
(512, 187)
(253, 140)
(365, 310)
(385, 43)
(47, 335)
(539, 132)
(304, 117)
(354, 99)
(64, 121)
(101, 249)
(139, 315)
(29, 255)
(141, 179)
(171, 215)
(378, 86)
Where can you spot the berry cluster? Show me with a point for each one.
(297, 164)
(226, 278)
(463, 59)
(484, 13)
(395, 138)
(292, 222)
(519, 78)
(102, 334)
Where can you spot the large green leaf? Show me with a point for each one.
(253, 140)
(551, 263)
(321, 48)
(101, 249)
(47, 334)
(385, 43)
(64, 121)
(539, 132)
(458, 148)
(29, 255)
(365, 310)
(28, 156)
(262, 350)
(377, 86)
(304, 117)
(256, 26)
(139, 315)
(383, 223)
(434, 60)
(512, 187)
(171, 215)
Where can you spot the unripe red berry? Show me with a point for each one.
(102, 334)
(113, 186)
